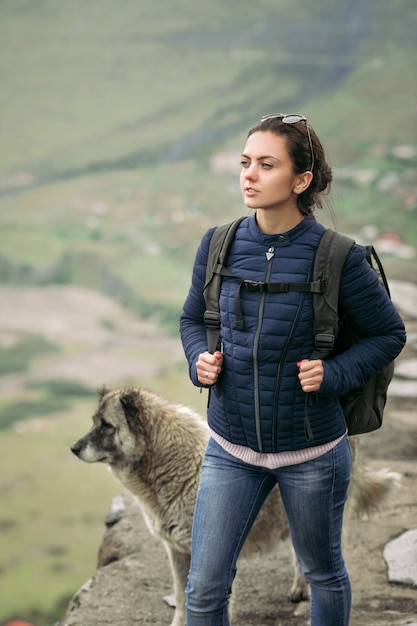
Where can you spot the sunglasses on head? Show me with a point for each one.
(293, 119)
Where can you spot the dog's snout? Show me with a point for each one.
(75, 448)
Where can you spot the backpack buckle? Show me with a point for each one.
(212, 319)
(324, 341)
(254, 285)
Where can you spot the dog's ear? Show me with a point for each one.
(104, 390)
(129, 402)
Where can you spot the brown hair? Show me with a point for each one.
(298, 147)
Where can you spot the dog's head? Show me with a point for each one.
(118, 434)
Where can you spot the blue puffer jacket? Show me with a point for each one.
(258, 401)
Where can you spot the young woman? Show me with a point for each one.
(259, 377)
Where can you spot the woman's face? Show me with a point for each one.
(267, 178)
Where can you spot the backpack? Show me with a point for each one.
(363, 408)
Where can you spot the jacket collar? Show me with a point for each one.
(281, 239)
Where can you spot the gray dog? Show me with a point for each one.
(156, 449)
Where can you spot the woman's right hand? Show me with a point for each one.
(209, 367)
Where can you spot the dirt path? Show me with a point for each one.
(98, 340)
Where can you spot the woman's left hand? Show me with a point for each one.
(310, 374)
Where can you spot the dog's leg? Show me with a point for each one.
(180, 565)
(300, 589)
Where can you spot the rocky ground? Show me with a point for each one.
(133, 574)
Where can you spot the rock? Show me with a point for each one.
(133, 578)
(132, 565)
(400, 555)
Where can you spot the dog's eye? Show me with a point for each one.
(107, 427)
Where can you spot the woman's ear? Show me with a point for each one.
(302, 182)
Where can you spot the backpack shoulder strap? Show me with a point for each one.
(328, 264)
(218, 250)
(375, 262)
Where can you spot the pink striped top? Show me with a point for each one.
(274, 460)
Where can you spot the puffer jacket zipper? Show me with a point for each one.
(279, 370)
(269, 256)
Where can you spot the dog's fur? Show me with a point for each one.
(156, 450)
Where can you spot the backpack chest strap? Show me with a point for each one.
(281, 287)
(316, 286)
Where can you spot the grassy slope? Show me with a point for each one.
(108, 119)
(53, 521)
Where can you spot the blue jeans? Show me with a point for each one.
(229, 498)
